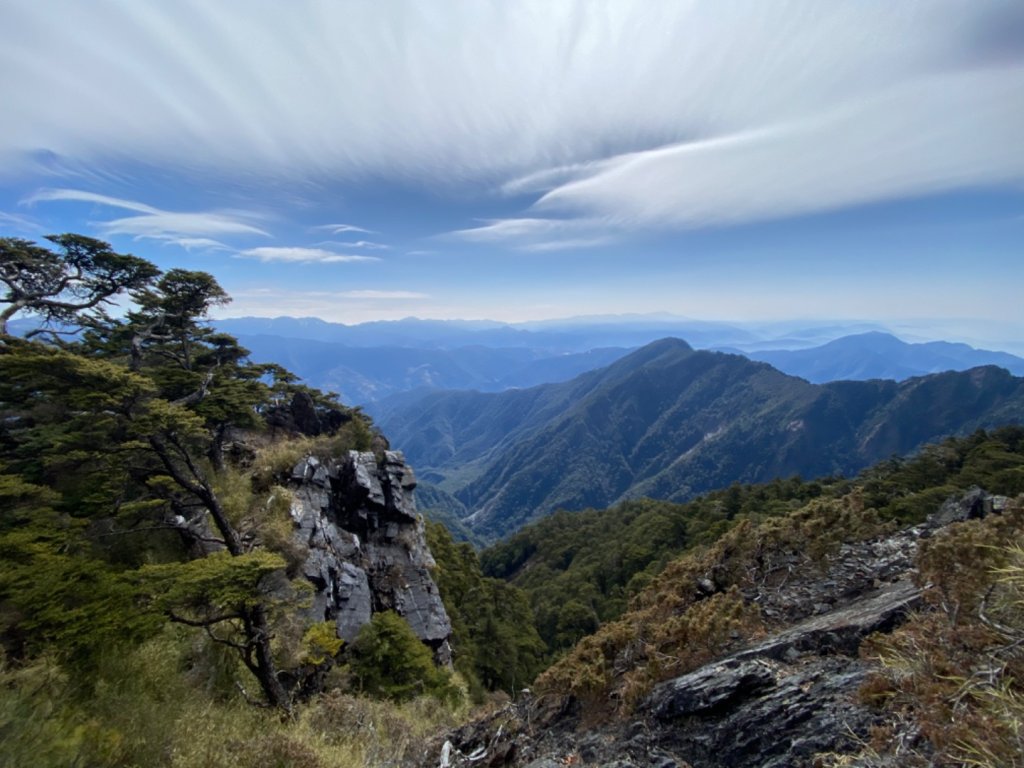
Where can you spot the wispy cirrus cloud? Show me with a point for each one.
(188, 229)
(905, 141)
(540, 234)
(21, 223)
(338, 229)
(641, 114)
(196, 243)
(374, 294)
(368, 245)
(302, 255)
(81, 196)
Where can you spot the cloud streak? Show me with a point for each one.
(540, 234)
(189, 230)
(337, 229)
(302, 255)
(373, 294)
(340, 306)
(636, 113)
(929, 136)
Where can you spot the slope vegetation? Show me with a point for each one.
(669, 422)
(880, 622)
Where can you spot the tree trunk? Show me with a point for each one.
(265, 668)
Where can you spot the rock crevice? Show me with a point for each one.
(365, 545)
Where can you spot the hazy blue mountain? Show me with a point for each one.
(362, 375)
(555, 336)
(670, 422)
(408, 333)
(878, 355)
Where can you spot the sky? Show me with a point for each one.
(720, 160)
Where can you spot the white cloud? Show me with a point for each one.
(153, 223)
(540, 234)
(302, 255)
(372, 294)
(927, 136)
(716, 111)
(364, 244)
(199, 243)
(370, 246)
(337, 229)
(80, 196)
(181, 225)
(21, 223)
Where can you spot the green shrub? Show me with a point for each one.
(388, 660)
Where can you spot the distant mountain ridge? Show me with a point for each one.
(362, 375)
(670, 422)
(877, 355)
(370, 362)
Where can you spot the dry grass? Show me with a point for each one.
(955, 674)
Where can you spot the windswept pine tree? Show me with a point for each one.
(111, 444)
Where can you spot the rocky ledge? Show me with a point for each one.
(364, 545)
(786, 700)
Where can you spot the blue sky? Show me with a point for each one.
(742, 161)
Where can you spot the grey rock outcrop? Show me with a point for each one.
(783, 701)
(366, 550)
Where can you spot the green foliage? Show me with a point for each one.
(66, 604)
(596, 561)
(320, 643)
(219, 584)
(121, 510)
(153, 705)
(582, 568)
(71, 286)
(493, 637)
(388, 660)
(909, 489)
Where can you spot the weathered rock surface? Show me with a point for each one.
(302, 416)
(367, 551)
(784, 701)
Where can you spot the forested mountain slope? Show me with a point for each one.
(669, 422)
(581, 568)
(876, 622)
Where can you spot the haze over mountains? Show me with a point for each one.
(369, 362)
(876, 355)
(670, 422)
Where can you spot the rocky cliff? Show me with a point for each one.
(365, 547)
(792, 697)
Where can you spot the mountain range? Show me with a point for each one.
(877, 355)
(369, 362)
(670, 422)
(372, 361)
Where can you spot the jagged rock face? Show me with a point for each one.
(367, 550)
